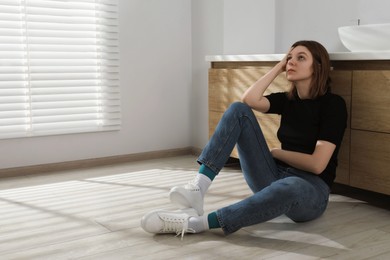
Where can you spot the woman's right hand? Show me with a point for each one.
(283, 62)
(253, 96)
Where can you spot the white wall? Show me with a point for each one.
(156, 73)
(155, 78)
(313, 20)
(373, 11)
(207, 39)
(249, 27)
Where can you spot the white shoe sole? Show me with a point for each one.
(153, 221)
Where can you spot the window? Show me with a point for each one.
(59, 67)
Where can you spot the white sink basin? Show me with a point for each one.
(370, 37)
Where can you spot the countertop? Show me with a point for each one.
(382, 55)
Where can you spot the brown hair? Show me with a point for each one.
(321, 81)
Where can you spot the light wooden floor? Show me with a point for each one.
(95, 214)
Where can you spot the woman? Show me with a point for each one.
(295, 179)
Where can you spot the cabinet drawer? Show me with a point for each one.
(370, 161)
(370, 101)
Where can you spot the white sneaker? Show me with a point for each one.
(163, 222)
(188, 196)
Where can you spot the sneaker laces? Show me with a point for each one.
(178, 226)
(192, 185)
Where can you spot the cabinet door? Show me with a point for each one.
(370, 161)
(370, 101)
(342, 85)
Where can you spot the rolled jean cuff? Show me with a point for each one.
(226, 230)
(209, 164)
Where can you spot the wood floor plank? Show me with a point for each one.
(95, 214)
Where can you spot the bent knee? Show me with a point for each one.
(240, 108)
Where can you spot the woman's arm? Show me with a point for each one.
(253, 96)
(315, 162)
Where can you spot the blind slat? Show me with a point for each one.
(59, 67)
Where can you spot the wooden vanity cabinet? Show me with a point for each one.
(370, 135)
(342, 85)
(364, 157)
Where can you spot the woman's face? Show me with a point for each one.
(299, 65)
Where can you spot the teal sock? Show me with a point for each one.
(207, 171)
(213, 220)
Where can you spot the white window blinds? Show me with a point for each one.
(59, 67)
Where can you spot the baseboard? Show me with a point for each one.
(373, 198)
(89, 163)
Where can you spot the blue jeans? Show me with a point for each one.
(277, 189)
